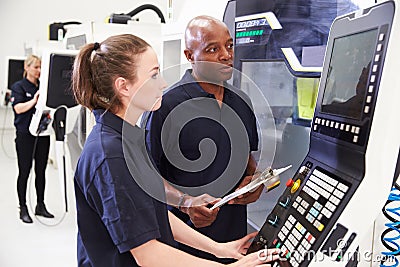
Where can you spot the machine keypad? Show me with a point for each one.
(294, 241)
(318, 200)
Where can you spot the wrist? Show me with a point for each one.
(181, 202)
(217, 249)
(187, 202)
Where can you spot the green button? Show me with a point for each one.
(278, 245)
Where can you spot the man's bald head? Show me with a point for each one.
(198, 27)
(209, 48)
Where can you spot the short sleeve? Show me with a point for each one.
(126, 210)
(17, 94)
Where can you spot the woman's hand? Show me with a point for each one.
(36, 97)
(235, 249)
(258, 258)
(238, 248)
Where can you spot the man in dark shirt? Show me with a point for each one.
(202, 136)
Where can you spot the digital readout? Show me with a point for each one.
(251, 23)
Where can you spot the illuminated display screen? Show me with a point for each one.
(252, 32)
(251, 23)
(348, 73)
(249, 33)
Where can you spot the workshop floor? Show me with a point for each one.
(45, 242)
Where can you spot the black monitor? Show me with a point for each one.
(348, 72)
(59, 91)
(350, 80)
(15, 71)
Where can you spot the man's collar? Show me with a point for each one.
(193, 88)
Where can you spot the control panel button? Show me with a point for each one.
(370, 89)
(290, 183)
(273, 220)
(284, 201)
(295, 186)
(343, 187)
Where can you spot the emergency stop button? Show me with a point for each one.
(289, 183)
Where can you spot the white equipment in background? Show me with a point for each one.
(79, 35)
(56, 106)
(14, 72)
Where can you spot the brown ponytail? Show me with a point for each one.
(98, 65)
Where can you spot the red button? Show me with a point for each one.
(289, 183)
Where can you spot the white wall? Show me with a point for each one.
(26, 22)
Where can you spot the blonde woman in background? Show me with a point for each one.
(24, 96)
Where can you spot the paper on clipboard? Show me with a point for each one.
(269, 176)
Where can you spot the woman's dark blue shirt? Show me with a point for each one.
(21, 92)
(114, 213)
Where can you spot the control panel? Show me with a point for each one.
(309, 204)
(321, 216)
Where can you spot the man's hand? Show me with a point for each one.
(198, 211)
(248, 197)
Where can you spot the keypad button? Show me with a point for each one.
(370, 89)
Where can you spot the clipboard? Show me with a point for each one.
(269, 177)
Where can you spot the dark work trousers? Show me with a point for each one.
(25, 144)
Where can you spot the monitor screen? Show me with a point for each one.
(348, 72)
(15, 71)
(59, 90)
